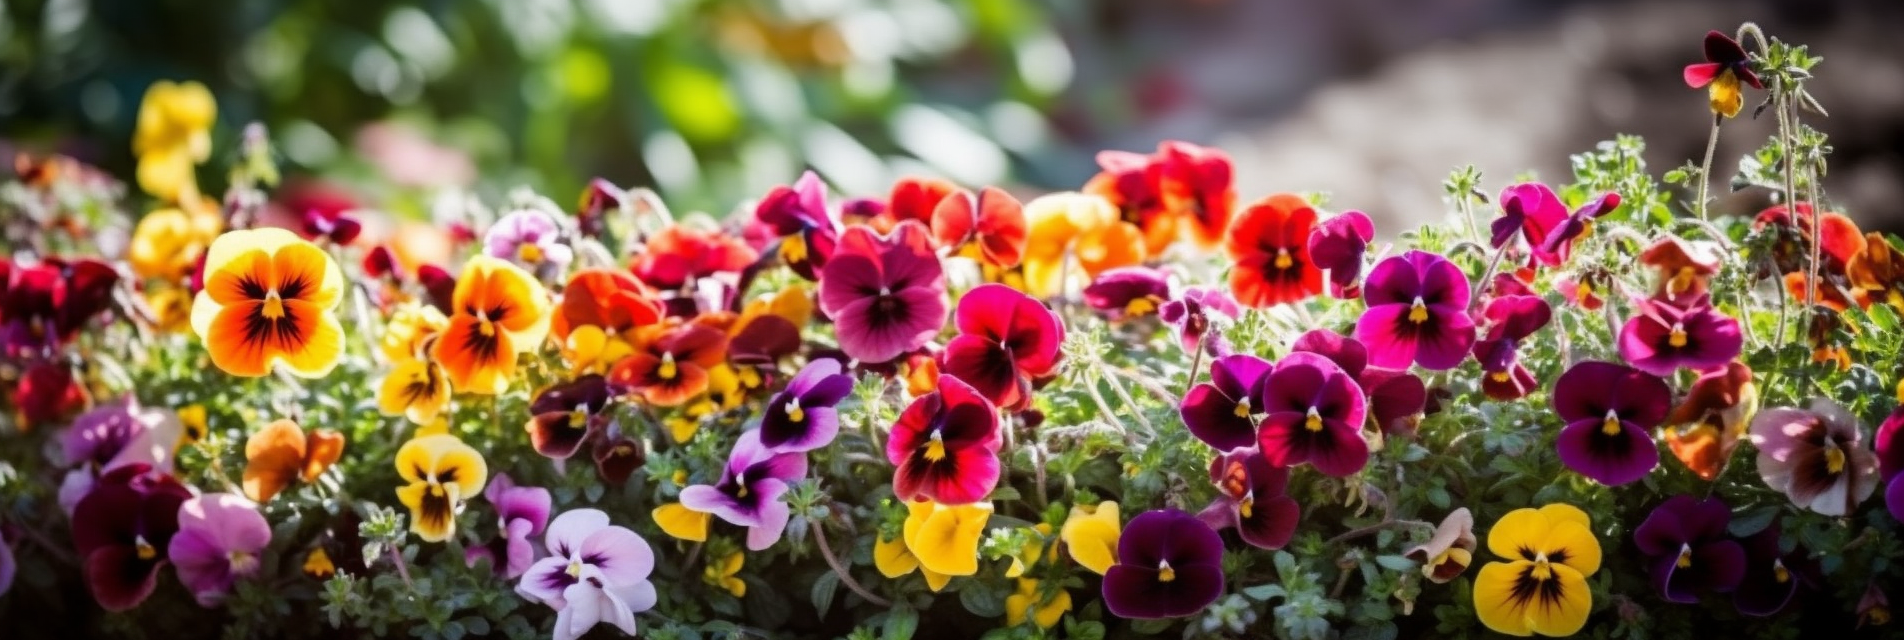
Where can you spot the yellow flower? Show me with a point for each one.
(318, 564)
(893, 560)
(1032, 553)
(167, 242)
(442, 472)
(415, 389)
(589, 349)
(500, 311)
(682, 522)
(1025, 603)
(945, 538)
(192, 418)
(267, 300)
(720, 573)
(1090, 532)
(792, 303)
(174, 134)
(171, 308)
(411, 326)
(1084, 227)
(1542, 587)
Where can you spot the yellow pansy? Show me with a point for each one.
(1026, 603)
(1084, 227)
(682, 522)
(591, 349)
(318, 564)
(893, 560)
(1090, 532)
(407, 333)
(792, 303)
(1542, 587)
(720, 573)
(1032, 553)
(415, 389)
(267, 302)
(167, 243)
(174, 134)
(192, 418)
(441, 473)
(945, 538)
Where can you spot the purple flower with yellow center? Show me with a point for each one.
(1665, 336)
(220, 539)
(521, 513)
(1559, 242)
(1816, 456)
(1313, 413)
(801, 417)
(1771, 576)
(1510, 319)
(595, 572)
(1192, 315)
(1535, 212)
(945, 446)
(1417, 312)
(1169, 564)
(1890, 446)
(1610, 410)
(1128, 292)
(1250, 497)
(114, 435)
(1395, 397)
(122, 529)
(748, 494)
(1725, 67)
(1337, 244)
(1688, 549)
(798, 215)
(1220, 412)
(564, 416)
(530, 238)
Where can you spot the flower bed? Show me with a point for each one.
(1144, 408)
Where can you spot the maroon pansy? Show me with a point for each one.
(1395, 397)
(798, 215)
(1169, 564)
(617, 456)
(886, 294)
(1006, 339)
(122, 529)
(1771, 576)
(1337, 244)
(1890, 451)
(1417, 312)
(1687, 548)
(945, 445)
(1510, 319)
(1313, 412)
(1220, 412)
(1250, 497)
(564, 416)
(1663, 336)
(1532, 210)
(1610, 411)
(48, 392)
(44, 305)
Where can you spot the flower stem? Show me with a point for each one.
(1125, 396)
(1374, 528)
(826, 551)
(403, 569)
(1196, 366)
(1705, 167)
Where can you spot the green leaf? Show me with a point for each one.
(824, 588)
(982, 600)
(901, 623)
(1395, 563)
(1151, 627)
(1379, 631)
(1265, 592)
(1752, 522)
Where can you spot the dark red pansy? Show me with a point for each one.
(1312, 412)
(1510, 320)
(992, 219)
(1771, 576)
(48, 393)
(439, 287)
(1610, 411)
(564, 416)
(1250, 497)
(1535, 212)
(1395, 396)
(44, 305)
(1337, 245)
(122, 529)
(617, 457)
(592, 209)
(945, 445)
(323, 211)
(1006, 339)
(1219, 412)
(798, 216)
(1169, 564)
(1688, 550)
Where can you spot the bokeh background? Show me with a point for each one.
(712, 102)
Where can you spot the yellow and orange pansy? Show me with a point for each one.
(500, 311)
(440, 473)
(267, 301)
(281, 453)
(1084, 227)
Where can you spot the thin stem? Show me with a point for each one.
(1465, 202)
(1705, 166)
(58, 552)
(1373, 528)
(826, 551)
(1038, 473)
(403, 569)
(1196, 365)
(1104, 408)
(1126, 397)
(1480, 284)
(1155, 388)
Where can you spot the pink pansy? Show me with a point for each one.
(1417, 312)
(595, 572)
(1510, 319)
(1395, 396)
(1337, 244)
(1533, 210)
(946, 446)
(1816, 456)
(1006, 339)
(521, 513)
(1663, 336)
(220, 539)
(1313, 412)
(886, 294)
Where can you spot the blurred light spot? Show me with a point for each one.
(813, 10)
(538, 25)
(946, 143)
(773, 92)
(764, 163)
(868, 79)
(375, 71)
(844, 161)
(695, 100)
(64, 17)
(1017, 126)
(871, 35)
(632, 17)
(931, 27)
(418, 38)
(307, 144)
(585, 75)
(100, 100)
(272, 58)
(671, 160)
(1044, 63)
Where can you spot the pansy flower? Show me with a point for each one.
(1816, 456)
(48, 392)
(1129, 182)
(914, 198)
(1683, 266)
(1878, 270)
(1509, 320)
(1712, 418)
(44, 305)
(1417, 312)
(1559, 242)
(440, 473)
(267, 300)
(499, 313)
(798, 215)
(1270, 244)
(113, 435)
(281, 453)
(992, 220)
(945, 445)
(1197, 185)
(168, 243)
(323, 211)
(123, 529)
(417, 389)
(886, 294)
(1725, 67)
(748, 493)
(1337, 245)
(1250, 497)
(1890, 450)
(1395, 397)
(1032, 602)
(945, 537)
(600, 311)
(172, 136)
(1090, 533)
(723, 573)
(671, 367)
(1169, 564)
(220, 540)
(595, 572)
(1662, 337)
(801, 417)
(521, 514)
(679, 255)
(531, 239)
(1006, 339)
(1541, 587)
(1688, 550)
(1448, 553)
(1220, 412)
(1313, 412)
(564, 416)
(1075, 226)
(1610, 411)
(1535, 212)
(1770, 576)
(1193, 314)
(1874, 608)
(617, 456)
(1128, 292)
(1583, 291)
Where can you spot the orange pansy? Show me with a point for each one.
(600, 310)
(1064, 223)
(991, 219)
(672, 368)
(499, 311)
(1128, 181)
(1197, 185)
(914, 198)
(267, 300)
(281, 452)
(1878, 269)
(1270, 244)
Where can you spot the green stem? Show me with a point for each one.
(1705, 167)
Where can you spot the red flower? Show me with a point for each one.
(679, 255)
(1006, 339)
(322, 211)
(607, 299)
(1270, 244)
(1197, 184)
(994, 219)
(1129, 182)
(48, 393)
(122, 530)
(946, 446)
(672, 368)
(914, 198)
(44, 305)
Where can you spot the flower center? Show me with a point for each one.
(1500, 376)
(1543, 570)
(1779, 572)
(668, 368)
(1314, 421)
(935, 448)
(1247, 505)
(1834, 458)
(484, 326)
(1678, 337)
(1685, 556)
(273, 305)
(793, 249)
(1164, 572)
(794, 412)
(144, 549)
(1140, 306)
(578, 417)
(1418, 312)
(242, 562)
(529, 252)
(1582, 292)
(1283, 260)
(1611, 425)
(575, 568)
(1243, 408)
(740, 481)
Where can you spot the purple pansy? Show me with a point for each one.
(1337, 244)
(1665, 336)
(886, 294)
(1533, 210)
(1509, 320)
(748, 494)
(531, 238)
(1559, 242)
(521, 513)
(7, 565)
(122, 529)
(595, 572)
(798, 215)
(1610, 411)
(566, 415)
(1219, 412)
(1313, 412)
(1417, 312)
(1771, 576)
(1688, 550)
(114, 435)
(220, 539)
(1816, 456)
(801, 417)
(1890, 449)
(1128, 292)
(1394, 396)
(1169, 564)
(1194, 313)
(1250, 497)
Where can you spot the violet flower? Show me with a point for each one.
(1313, 413)
(1169, 564)
(1771, 576)
(886, 294)
(521, 513)
(122, 529)
(1395, 397)
(1417, 312)
(7, 565)
(1533, 210)
(530, 238)
(1559, 242)
(595, 572)
(564, 416)
(798, 215)
(1610, 411)
(1510, 319)
(114, 435)
(1219, 412)
(1337, 244)
(1815, 456)
(220, 539)
(801, 417)
(748, 494)
(1195, 312)
(1128, 292)
(1250, 497)
(1663, 337)
(1688, 549)
(1890, 448)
